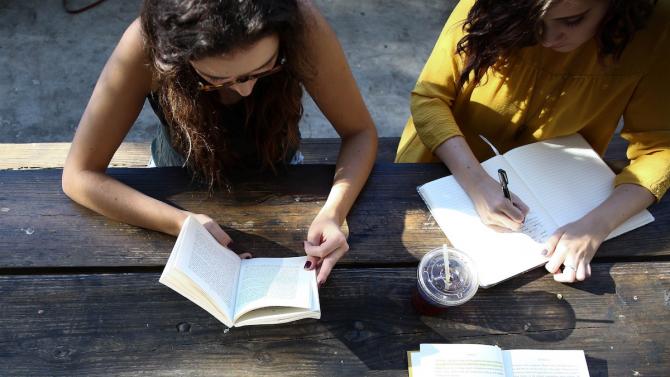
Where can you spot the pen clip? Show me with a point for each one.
(503, 183)
(503, 178)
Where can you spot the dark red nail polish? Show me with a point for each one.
(308, 264)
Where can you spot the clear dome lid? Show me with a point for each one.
(462, 283)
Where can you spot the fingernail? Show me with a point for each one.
(308, 264)
(545, 252)
(320, 283)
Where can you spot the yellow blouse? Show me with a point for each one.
(545, 94)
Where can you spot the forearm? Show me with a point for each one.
(355, 161)
(111, 198)
(625, 201)
(462, 163)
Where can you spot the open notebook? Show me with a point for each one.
(560, 180)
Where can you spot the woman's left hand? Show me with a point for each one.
(325, 245)
(573, 246)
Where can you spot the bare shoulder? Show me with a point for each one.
(130, 55)
(314, 20)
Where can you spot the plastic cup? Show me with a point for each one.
(434, 292)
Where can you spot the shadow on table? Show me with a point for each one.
(597, 367)
(379, 325)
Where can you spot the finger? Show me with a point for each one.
(311, 263)
(501, 220)
(580, 274)
(567, 276)
(314, 237)
(513, 212)
(323, 249)
(588, 270)
(550, 244)
(327, 265)
(246, 256)
(569, 267)
(518, 203)
(222, 237)
(324, 271)
(557, 258)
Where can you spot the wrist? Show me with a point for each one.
(474, 181)
(179, 221)
(600, 225)
(330, 213)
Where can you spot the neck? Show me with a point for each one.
(229, 97)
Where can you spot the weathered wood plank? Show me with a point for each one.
(316, 151)
(270, 216)
(121, 323)
(52, 155)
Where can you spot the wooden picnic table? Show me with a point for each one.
(80, 293)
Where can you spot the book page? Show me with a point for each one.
(211, 266)
(275, 315)
(498, 255)
(541, 363)
(453, 360)
(266, 282)
(569, 178)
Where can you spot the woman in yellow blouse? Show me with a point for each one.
(521, 71)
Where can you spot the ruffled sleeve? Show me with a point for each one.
(647, 125)
(435, 90)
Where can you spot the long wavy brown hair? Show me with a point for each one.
(495, 29)
(178, 31)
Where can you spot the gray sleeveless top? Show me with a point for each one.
(163, 153)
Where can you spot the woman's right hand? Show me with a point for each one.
(485, 192)
(494, 209)
(217, 232)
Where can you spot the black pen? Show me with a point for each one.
(502, 175)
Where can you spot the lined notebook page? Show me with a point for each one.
(569, 178)
(498, 256)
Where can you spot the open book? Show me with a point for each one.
(239, 292)
(475, 360)
(560, 180)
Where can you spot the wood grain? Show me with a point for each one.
(267, 215)
(119, 324)
(137, 155)
(316, 151)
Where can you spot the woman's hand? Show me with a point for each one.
(219, 234)
(485, 192)
(325, 245)
(494, 209)
(573, 246)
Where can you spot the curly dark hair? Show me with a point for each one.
(178, 31)
(495, 29)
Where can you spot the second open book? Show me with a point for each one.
(560, 180)
(239, 292)
(475, 360)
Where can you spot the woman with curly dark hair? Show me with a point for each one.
(521, 71)
(226, 79)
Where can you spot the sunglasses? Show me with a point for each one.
(207, 87)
